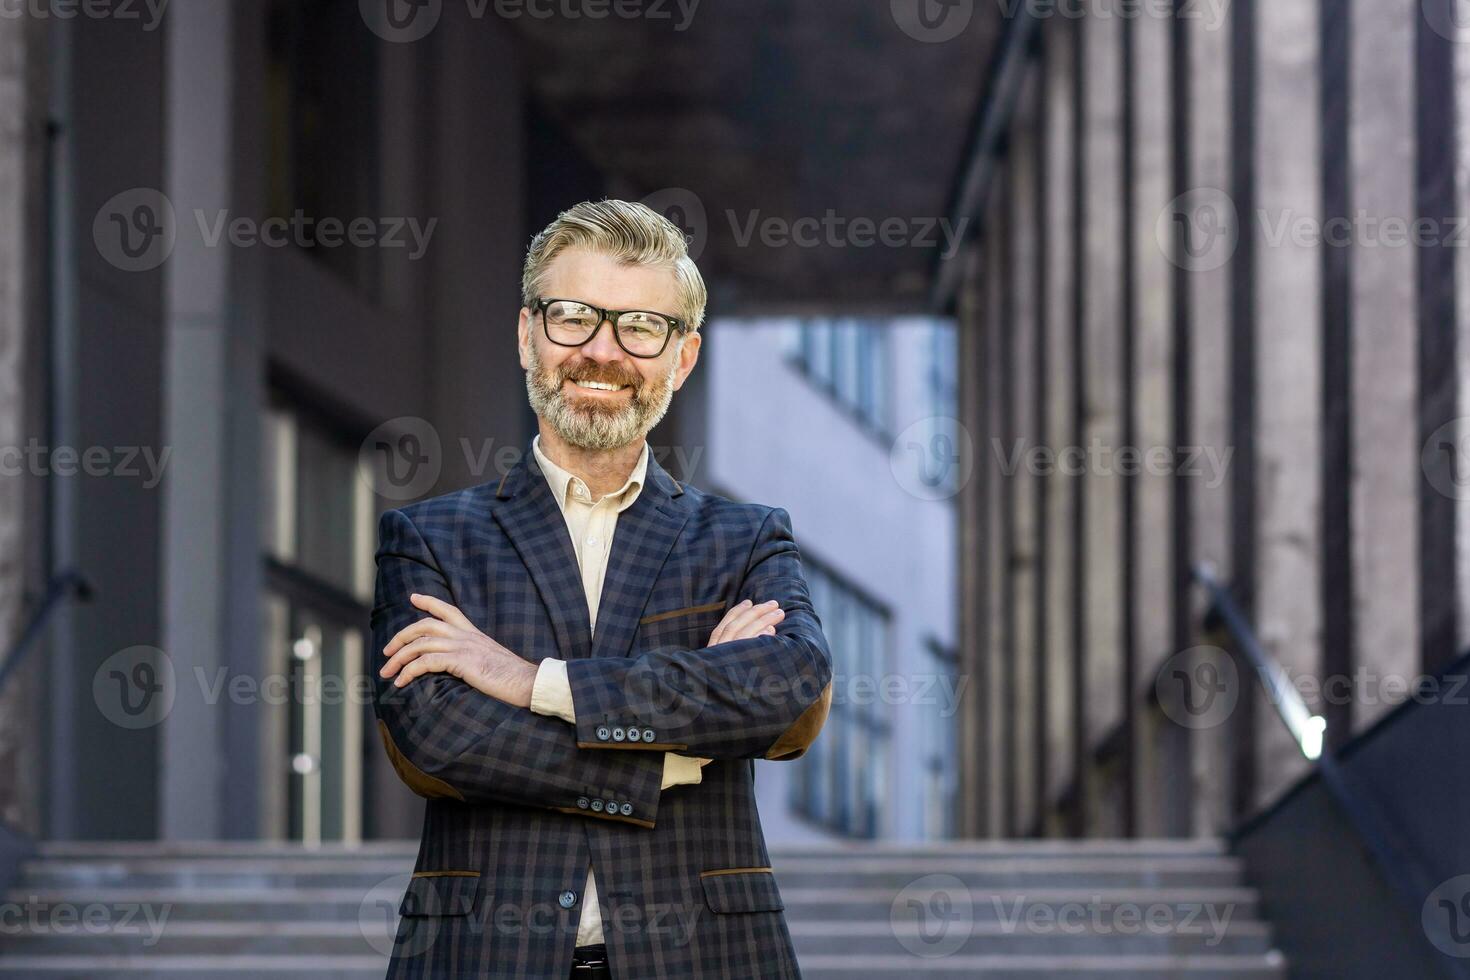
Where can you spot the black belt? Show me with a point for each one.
(590, 962)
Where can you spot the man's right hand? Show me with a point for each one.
(744, 621)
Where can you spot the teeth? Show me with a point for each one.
(599, 385)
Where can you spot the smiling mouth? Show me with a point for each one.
(601, 387)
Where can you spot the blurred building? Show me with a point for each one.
(1222, 263)
(835, 435)
(271, 285)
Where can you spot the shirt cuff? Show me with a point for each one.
(681, 770)
(551, 694)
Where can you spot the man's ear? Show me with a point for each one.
(688, 357)
(523, 337)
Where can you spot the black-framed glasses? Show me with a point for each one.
(642, 333)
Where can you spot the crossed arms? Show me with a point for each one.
(454, 712)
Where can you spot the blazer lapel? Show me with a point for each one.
(645, 534)
(535, 525)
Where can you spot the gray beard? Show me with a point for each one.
(590, 426)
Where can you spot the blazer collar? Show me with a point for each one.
(645, 534)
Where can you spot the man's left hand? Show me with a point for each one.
(449, 643)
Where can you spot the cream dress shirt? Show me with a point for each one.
(591, 524)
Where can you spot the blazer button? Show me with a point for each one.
(633, 735)
(602, 732)
(583, 802)
(618, 735)
(626, 809)
(567, 899)
(612, 806)
(597, 806)
(648, 734)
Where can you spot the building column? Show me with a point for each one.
(1102, 410)
(1288, 311)
(1207, 305)
(22, 250)
(1385, 475)
(1150, 429)
(1057, 369)
(1020, 379)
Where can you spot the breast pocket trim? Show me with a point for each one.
(685, 611)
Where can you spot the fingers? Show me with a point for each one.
(414, 650)
(746, 620)
(424, 627)
(436, 662)
(440, 609)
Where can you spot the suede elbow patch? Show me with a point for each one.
(429, 787)
(796, 739)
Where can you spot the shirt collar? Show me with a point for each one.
(563, 482)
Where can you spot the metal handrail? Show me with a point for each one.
(1405, 873)
(62, 584)
(1308, 729)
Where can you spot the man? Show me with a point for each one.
(580, 663)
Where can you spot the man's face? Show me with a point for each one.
(594, 418)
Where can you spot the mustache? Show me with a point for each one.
(600, 376)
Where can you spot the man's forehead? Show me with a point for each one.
(601, 279)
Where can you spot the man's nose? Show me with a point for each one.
(604, 345)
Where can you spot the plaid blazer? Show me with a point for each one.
(520, 803)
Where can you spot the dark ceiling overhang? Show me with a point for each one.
(814, 149)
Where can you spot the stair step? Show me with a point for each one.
(1266, 967)
(858, 904)
(1025, 909)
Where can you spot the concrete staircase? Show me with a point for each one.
(232, 911)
